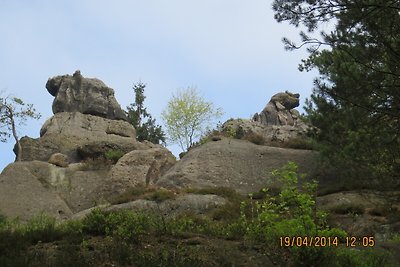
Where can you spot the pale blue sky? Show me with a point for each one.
(231, 50)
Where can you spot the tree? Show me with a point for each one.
(145, 125)
(13, 112)
(187, 116)
(356, 98)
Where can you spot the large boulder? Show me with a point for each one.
(141, 167)
(233, 163)
(85, 95)
(25, 192)
(67, 132)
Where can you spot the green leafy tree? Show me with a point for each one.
(356, 99)
(145, 125)
(14, 112)
(187, 117)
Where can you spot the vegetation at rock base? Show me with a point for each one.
(145, 125)
(126, 238)
(14, 112)
(114, 155)
(356, 98)
(187, 117)
(143, 192)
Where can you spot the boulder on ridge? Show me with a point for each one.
(85, 95)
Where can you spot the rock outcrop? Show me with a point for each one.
(87, 96)
(278, 123)
(74, 164)
(280, 110)
(67, 131)
(233, 163)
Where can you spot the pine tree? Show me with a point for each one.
(356, 99)
(145, 125)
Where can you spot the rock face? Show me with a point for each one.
(233, 163)
(184, 204)
(67, 131)
(24, 193)
(87, 96)
(141, 167)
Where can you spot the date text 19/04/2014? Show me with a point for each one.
(324, 241)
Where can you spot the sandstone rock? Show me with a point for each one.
(24, 193)
(88, 96)
(86, 126)
(142, 167)
(272, 134)
(279, 124)
(188, 203)
(97, 149)
(279, 110)
(59, 159)
(66, 132)
(233, 163)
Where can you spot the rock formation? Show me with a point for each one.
(87, 96)
(278, 123)
(280, 110)
(74, 164)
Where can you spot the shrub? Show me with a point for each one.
(114, 154)
(142, 192)
(160, 195)
(291, 213)
(124, 225)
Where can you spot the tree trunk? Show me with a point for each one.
(14, 132)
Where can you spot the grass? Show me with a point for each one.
(142, 192)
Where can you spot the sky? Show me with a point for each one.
(231, 50)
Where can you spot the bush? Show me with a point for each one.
(142, 192)
(124, 225)
(291, 213)
(114, 154)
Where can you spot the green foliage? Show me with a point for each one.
(291, 213)
(114, 154)
(145, 125)
(187, 116)
(356, 100)
(367, 257)
(123, 225)
(14, 112)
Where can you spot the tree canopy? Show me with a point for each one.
(356, 98)
(187, 116)
(145, 125)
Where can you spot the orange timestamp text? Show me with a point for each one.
(309, 241)
(325, 241)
